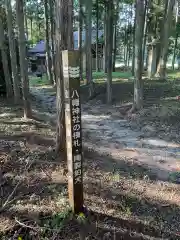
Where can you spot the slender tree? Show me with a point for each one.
(88, 47)
(13, 53)
(51, 12)
(116, 18)
(105, 39)
(4, 55)
(23, 58)
(165, 40)
(145, 30)
(97, 35)
(48, 49)
(133, 40)
(80, 28)
(176, 36)
(70, 43)
(25, 19)
(109, 49)
(138, 86)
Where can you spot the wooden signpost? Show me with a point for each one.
(70, 60)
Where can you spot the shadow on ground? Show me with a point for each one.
(130, 191)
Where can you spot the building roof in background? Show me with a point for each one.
(40, 47)
(93, 40)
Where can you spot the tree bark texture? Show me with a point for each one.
(109, 50)
(88, 47)
(80, 47)
(48, 49)
(4, 55)
(52, 33)
(165, 40)
(97, 35)
(138, 86)
(23, 58)
(13, 53)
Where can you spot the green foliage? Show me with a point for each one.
(35, 16)
(56, 222)
(81, 218)
(3, 17)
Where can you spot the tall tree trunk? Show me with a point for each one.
(127, 51)
(133, 40)
(176, 38)
(127, 42)
(159, 45)
(145, 30)
(48, 49)
(4, 55)
(70, 43)
(25, 20)
(51, 11)
(13, 53)
(129, 55)
(115, 36)
(165, 43)
(88, 50)
(105, 40)
(63, 22)
(23, 58)
(114, 47)
(174, 50)
(125, 45)
(109, 50)
(80, 28)
(152, 60)
(31, 22)
(97, 35)
(138, 86)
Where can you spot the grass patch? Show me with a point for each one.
(37, 81)
(121, 75)
(174, 73)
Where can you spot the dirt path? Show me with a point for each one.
(107, 132)
(127, 174)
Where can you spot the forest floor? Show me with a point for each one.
(131, 168)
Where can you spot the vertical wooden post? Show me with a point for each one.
(71, 73)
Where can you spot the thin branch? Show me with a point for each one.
(26, 226)
(9, 200)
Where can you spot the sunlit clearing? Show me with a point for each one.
(161, 143)
(95, 118)
(7, 115)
